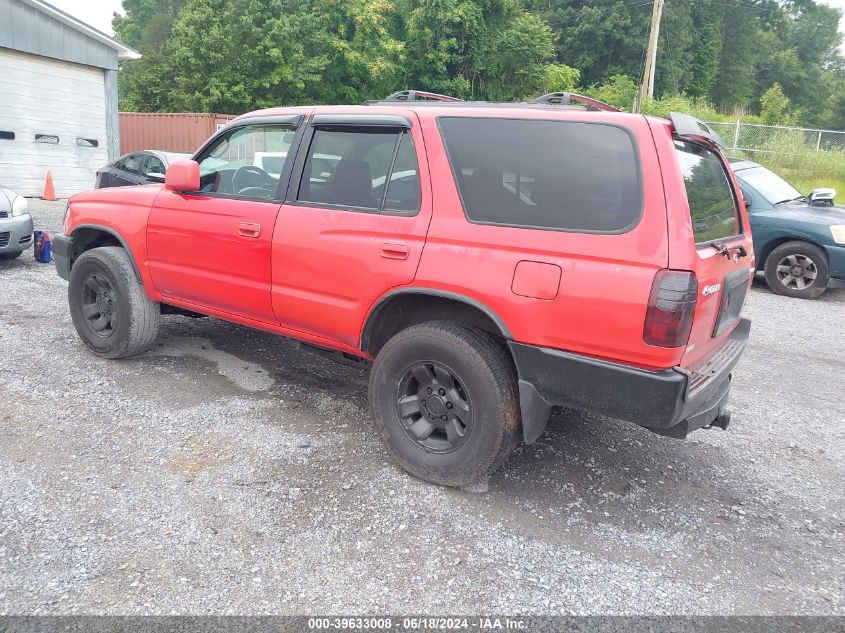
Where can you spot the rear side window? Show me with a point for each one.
(132, 163)
(559, 175)
(370, 169)
(711, 199)
(154, 165)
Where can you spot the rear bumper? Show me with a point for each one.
(15, 233)
(670, 402)
(62, 251)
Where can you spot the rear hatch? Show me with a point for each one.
(709, 235)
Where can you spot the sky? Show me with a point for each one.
(98, 13)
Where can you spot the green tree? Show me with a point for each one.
(619, 91)
(366, 50)
(234, 56)
(599, 39)
(444, 43)
(740, 49)
(774, 107)
(560, 78)
(228, 56)
(516, 66)
(147, 25)
(706, 47)
(800, 50)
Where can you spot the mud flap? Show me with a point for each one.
(535, 411)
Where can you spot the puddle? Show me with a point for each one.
(247, 376)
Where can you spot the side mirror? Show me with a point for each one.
(183, 175)
(822, 196)
(155, 176)
(747, 203)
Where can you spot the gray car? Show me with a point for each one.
(15, 224)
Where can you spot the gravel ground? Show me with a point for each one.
(229, 471)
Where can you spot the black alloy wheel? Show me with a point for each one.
(434, 407)
(99, 306)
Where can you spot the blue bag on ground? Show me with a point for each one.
(43, 247)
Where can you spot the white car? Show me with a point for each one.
(271, 162)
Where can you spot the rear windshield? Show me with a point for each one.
(711, 200)
(558, 175)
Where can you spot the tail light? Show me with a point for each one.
(671, 307)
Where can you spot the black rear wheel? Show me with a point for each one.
(444, 399)
(433, 406)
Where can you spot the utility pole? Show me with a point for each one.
(647, 86)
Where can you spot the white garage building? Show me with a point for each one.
(58, 98)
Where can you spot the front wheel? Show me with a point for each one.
(797, 269)
(444, 399)
(110, 310)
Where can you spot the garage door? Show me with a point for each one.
(56, 112)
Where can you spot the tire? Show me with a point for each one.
(8, 256)
(807, 260)
(104, 280)
(480, 399)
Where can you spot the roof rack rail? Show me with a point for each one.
(418, 95)
(566, 98)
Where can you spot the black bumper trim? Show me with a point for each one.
(657, 400)
(62, 251)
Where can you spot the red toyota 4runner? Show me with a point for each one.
(491, 261)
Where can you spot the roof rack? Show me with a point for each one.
(418, 95)
(566, 98)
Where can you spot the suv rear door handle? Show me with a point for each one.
(394, 250)
(249, 229)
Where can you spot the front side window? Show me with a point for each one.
(558, 175)
(247, 162)
(709, 193)
(370, 169)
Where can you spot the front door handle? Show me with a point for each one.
(394, 250)
(249, 229)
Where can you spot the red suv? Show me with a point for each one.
(488, 261)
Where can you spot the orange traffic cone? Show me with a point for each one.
(49, 192)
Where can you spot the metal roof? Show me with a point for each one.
(34, 26)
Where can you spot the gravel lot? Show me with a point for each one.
(228, 471)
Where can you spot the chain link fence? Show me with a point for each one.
(776, 139)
